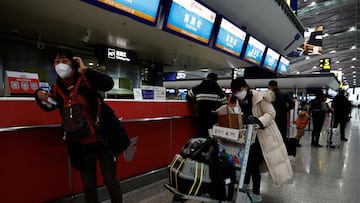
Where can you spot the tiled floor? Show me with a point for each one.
(320, 174)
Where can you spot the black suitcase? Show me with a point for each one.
(189, 176)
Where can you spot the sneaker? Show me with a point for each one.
(255, 197)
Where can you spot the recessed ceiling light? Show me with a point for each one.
(307, 57)
(352, 67)
(353, 59)
(340, 68)
(337, 62)
(353, 47)
(298, 72)
(333, 51)
(313, 3)
(352, 28)
(91, 63)
(314, 67)
(354, 71)
(354, 76)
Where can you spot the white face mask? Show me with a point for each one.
(241, 95)
(63, 70)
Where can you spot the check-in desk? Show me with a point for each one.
(34, 160)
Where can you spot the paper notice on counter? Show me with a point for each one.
(137, 94)
(159, 93)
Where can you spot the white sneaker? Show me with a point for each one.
(255, 197)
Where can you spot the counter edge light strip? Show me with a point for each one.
(18, 128)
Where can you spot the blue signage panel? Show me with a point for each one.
(190, 18)
(271, 60)
(283, 65)
(254, 51)
(144, 10)
(230, 38)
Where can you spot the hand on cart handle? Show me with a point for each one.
(254, 120)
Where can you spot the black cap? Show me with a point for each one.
(212, 76)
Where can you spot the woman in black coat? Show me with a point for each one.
(104, 140)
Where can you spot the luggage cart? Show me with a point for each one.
(240, 195)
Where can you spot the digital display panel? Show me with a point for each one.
(191, 19)
(283, 65)
(230, 38)
(145, 10)
(254, 51)
(271, 60)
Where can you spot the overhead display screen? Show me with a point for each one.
(144, 10)
(283, 65)
(230, 38)
(191, 19)
(271, 60)
(254, 51)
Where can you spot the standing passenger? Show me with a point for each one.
(268, 144)
(103, 144)
(208, 96)
(282, 104)
(342, 108)
(318, 112)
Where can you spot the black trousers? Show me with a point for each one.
(342, 122)
(318, 122)
(252, 170)
(91, 153)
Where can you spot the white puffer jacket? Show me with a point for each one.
(271, 142)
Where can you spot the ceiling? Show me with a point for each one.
(337, 18)
(65, 22)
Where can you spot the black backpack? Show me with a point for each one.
(76, 122)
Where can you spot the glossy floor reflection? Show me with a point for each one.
(320, 174)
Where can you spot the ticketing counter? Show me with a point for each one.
(35, 166)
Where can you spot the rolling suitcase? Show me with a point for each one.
(189, 176)
(333, 135)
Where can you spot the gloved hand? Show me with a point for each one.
(255, 121)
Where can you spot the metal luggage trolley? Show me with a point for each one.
(240, 195)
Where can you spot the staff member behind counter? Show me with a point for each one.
(76, 88)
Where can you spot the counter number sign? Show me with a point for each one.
(325, 64)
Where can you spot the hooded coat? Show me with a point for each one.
(270, 139)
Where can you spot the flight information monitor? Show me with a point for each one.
(230, 38)
(190, 19)
(271, 60)
(283, 65)
(254, 51)
(144, 11)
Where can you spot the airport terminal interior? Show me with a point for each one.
(155, 52)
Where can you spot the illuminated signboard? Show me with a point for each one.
(145, 11)
(230, 38)
(191, 19)
(283, 65)
(118, 55)
(271, 59)
(325, 65)
(254, 51)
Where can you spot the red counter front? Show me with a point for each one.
(33, 156)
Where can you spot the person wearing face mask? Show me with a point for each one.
(75, 80)
(267, 144)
